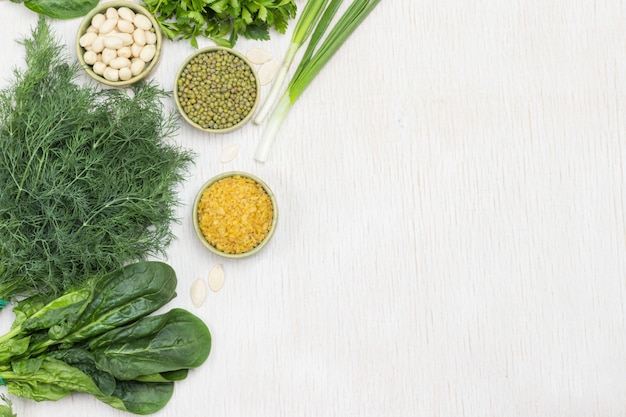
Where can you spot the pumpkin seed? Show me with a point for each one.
(216, 278)
(268, 71)
(229, 153)
(259, 56)
(198, 292)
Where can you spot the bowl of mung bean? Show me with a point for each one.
(235, 214)
(216, 89)
(118, 43)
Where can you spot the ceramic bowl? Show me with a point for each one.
(196, 222)
(182, 72)
(92, 23)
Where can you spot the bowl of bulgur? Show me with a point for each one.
(235, 214)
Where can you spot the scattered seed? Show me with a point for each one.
(229, 153)
(268, 71)
(198, 292)
(259, 56)
(216, 278)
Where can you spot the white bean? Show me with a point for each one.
(150, 38)
(139, 36)
(125, 52)
(108, 25)
(147, 53)
(142, 22)
(120, 62)
(125, 26)
(98, 44)
(126, 14)
(113, 42)
(99, 67)
(135, 49)
(137, 66)
(111, 74)
(87, 39)
(108, 55)
(112, 13)
(90, 57)
(127, 38)
(92, 29)
(97, 20)
(125, 73)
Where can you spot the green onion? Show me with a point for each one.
(304, 27)
(312, 61)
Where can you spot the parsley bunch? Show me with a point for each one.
(222, 21)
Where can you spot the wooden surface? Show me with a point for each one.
(452, 236)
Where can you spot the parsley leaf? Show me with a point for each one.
(223, 21)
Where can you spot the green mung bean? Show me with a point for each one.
(217, 90)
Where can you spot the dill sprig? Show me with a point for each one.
(88, 175)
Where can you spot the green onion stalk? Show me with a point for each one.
(311, 14)
(312, 61)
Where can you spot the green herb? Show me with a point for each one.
(222, 21)
(6, 409)
(102, 340)
(88, 176)
(60, 9)
(313, 59)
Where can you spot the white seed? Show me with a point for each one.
(268, 71)
(216, 278)
(113, 42)
(229, 153)
(92, 29)
(87, 39)
(151, 37)
(97, 20)
(125, 52)
(98, 44)
(111, 13)
(139, 36)
(137, 65)
(111, 74)
(259, 56)
(142, 22)
(120, 62)
(135, 49)
(147, 53)
(126, 14)
(99, 67)
(90, 57)
(107, 26)
(198, 292)
(125, 74)
(125, 26)
(108, 55)
(127, 38)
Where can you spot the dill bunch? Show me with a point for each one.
(88, 176)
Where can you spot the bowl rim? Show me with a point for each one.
(238, 54)
(86, 22)
(213, 180)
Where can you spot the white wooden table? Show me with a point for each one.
(452, 234)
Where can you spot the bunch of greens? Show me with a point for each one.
(222, 21)
(313, 23)
(88, 177)
(103, 340)
(59, 9)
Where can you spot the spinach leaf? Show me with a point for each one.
(155, 344)
(60, 9)
(121, 297)
(140, 397)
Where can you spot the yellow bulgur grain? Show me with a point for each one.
(235, 214)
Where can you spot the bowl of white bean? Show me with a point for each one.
(118, 43)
